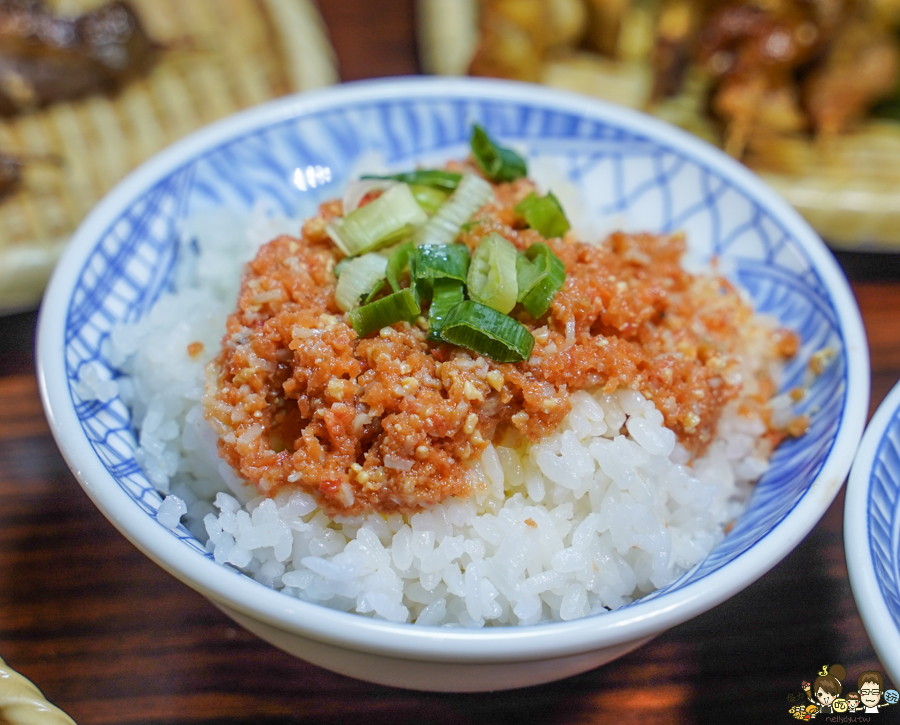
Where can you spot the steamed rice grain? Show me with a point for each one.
(596, 515)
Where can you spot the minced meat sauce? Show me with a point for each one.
(392, 422)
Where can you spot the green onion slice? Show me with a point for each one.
(496, 163)
(447, 294)
(357, 191)
(430, 198)
(442, 261)
(398, 263)
(361, 277)
(436, 178)
(492, 278)
(340, 266)
(387, 311)
(544, 214)
(437, 261)
(387, 219)
(487, 332)
(472, 193)
(540, 275)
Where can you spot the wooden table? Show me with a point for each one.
(111, 638)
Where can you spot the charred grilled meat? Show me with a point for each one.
(779, 66)
(45, 58)
(754, 53)
(861, 69)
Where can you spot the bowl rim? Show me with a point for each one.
(883, 630)
(352, 631)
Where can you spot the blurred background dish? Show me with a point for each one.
(22, 703)
(805, 93)
(112, 102)
(872, 531)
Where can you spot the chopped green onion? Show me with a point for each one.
(492, 278)
(437, 261)
(339, 267)
(472, 193)
(487, 332)
(386, 220)
(540, 275)
(532, 266)
(496, 163)
(398, 263)
(360, 277)
(442, 261)
(387, 311)
(362, 190)
(447, 294)
(430, 198)
(437, 178)
(544, 214)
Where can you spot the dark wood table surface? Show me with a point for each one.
(111, 638)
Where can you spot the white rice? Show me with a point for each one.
(595, 516)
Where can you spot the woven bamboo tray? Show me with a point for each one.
(221, 56)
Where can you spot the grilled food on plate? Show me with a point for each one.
(805, 92)
(89, 90)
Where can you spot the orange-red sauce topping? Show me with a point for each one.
(392, 422)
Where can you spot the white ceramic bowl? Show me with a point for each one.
(630, 171)
(872, 531)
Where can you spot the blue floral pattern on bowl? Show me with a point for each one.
(872, 531)
(298, 160)
(883, 516)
